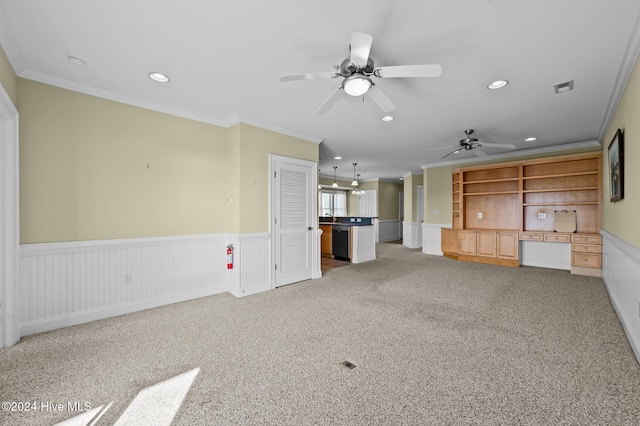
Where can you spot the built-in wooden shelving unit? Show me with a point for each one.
(523, 197)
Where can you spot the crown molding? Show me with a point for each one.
(256, 123)
(9, 44)
(629, 60)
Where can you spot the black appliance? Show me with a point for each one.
(340, 241)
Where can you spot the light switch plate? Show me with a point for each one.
(479, 215)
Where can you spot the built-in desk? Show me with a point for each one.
(581, 253)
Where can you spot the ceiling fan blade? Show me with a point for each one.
(451, 152)
(444, 147)
(497, 145)
(378, 96)
(309, 76)
(360, 48)
(479, 152)
(331, 100)
(408, 71)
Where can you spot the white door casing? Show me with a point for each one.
(294, 220)
(9, 222)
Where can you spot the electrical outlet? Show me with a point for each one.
(127, 278)
(479, 215)
(542, 215)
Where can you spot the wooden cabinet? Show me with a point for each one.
(494, 247)
(507, 245)
(496, 206)
(586, 254)
(467, 242)
(449, 241)
(486, 244)
(326, 241)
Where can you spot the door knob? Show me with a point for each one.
(310, 228)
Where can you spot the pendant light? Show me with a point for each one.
(355, 182)
(335, 183)
(358, 191)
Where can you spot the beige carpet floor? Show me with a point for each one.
(433, 341)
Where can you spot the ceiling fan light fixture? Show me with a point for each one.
(356, 85)
(498, 84)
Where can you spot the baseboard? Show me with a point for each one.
(78, 318)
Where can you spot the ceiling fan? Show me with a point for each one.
(357, 71)
(470, 143)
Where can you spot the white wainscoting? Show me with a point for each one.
(63, 284)
(545, 254)
(620, 273)
(432, 238)
(388, 230)
(411, 234)
(254, 265)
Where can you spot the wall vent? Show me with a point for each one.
(563, 87)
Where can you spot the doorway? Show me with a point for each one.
(9, 222)
(294, 220)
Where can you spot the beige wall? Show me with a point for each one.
(620, 218)
(96, 169)
(255, 146)
(411, 183)
(388, 200)
(438, 184)
(92, 169)
(8, 79)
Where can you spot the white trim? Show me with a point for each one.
(77, 318)
(516, 153)
(256, 123)
(620, 272)
(389, 230)
(9, 221)
(629, 60)
(9, 43)
(432, 238)
(70, 283)
(411, 234)
(315, 237)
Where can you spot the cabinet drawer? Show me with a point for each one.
(587, 239)
(530, 237)
(558, 238)
(586, 260)
(587, 248)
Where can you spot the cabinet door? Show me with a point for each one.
(467, 242)
(507, 245)
(486, 245)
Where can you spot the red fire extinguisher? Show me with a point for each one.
(230, 256)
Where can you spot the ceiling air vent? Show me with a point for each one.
(563, 87)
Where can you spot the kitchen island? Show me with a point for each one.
(348, 238)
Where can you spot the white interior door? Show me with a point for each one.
(368, 203)
(294, 219)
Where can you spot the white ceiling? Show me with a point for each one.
(225, 60)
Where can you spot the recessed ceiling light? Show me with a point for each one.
(337, 158)
(159, 77)
(387, 118)
(498, 84)
(531, 139)
(401, 178)
(74, 60)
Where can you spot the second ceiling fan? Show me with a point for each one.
(357, 71)
(470, 143)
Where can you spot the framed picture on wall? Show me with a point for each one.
(616, 167)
